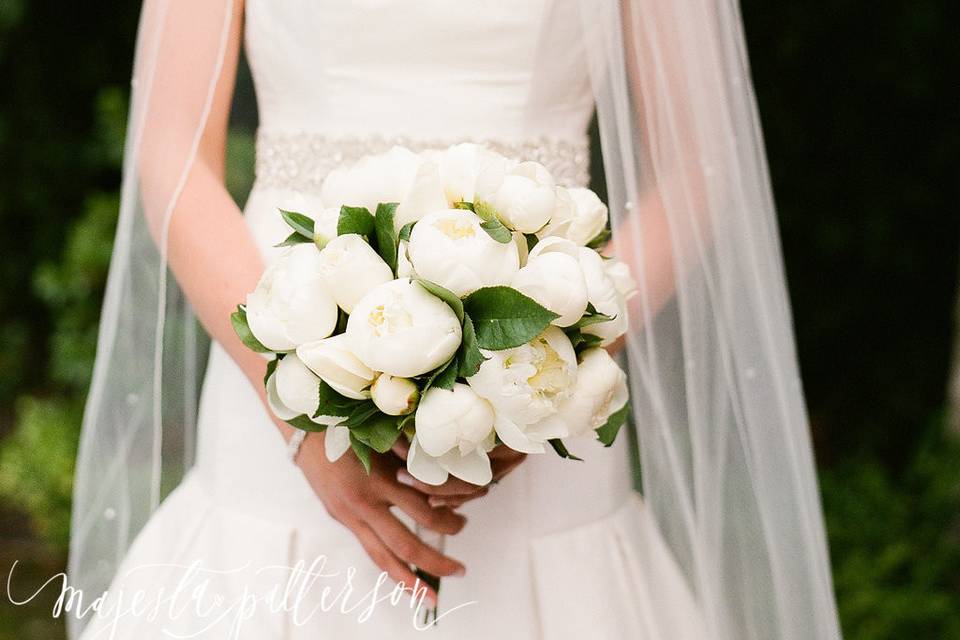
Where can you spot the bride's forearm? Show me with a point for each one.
(643, 241)
(209, 247)
(216, 262)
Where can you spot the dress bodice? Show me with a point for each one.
(426, 69)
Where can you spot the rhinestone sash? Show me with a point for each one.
(300, 161)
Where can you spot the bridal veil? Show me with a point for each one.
(726, 462)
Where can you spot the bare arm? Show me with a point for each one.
(216, 262)
(648, 239)
(204, 221)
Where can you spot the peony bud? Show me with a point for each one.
(581, 217)
(552, 277)
(609, 286)
(525, 199)
(394, 396)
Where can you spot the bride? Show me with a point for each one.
(199, 515)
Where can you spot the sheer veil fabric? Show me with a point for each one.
(727, 467)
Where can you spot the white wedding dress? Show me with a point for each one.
(559, 549)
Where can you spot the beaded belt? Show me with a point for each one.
(300, 161)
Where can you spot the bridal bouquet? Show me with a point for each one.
(454, 298)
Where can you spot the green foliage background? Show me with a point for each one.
(861, 144)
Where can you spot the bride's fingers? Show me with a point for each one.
(449, 502)
(401, 447)
(381, 555)
(452, 487)
(503, 452)
(415, 505)
(502, 467)
(408, 547)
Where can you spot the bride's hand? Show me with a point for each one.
(454, 492)
(362, 503)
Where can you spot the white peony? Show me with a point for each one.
(374, 179)
(325, 226)
(609, 287)
(401, 329)
(336, 442)
(552, 276)
(619, 272)
(404, 267)
(581, 217)
(465, 166)
(332, 360)
(294, 390)
(394, 396)
(277, 407)
(449, 247)
(291, 305)
(600, 391)
(523, 249)
(526, 385)
(454, 433)
(424, 196)
(350, 268)
(525, 198)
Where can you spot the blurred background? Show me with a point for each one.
(861, 135)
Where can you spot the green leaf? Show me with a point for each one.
(360, 414)
(505, 318)
(461, 204)
(239, 321)
(444, 294)
(331, 403)
(362, 451)
(561, 449)
(407, 424)
(582, 341)
(589, 319)
(386, 240)
(304, 423)
(497, 231)
(442, 370)
(271, 367)
(485, 210)
(608, 432)
(531, 239)
(406, 230)
(355, 220)
(469, 355)
(379, 432)
(342, 318)
(447, 376)
(592, 340)
(491, 223)
(294, 238)
(300, 223)
(601, 240)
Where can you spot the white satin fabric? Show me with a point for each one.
(559, 549)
